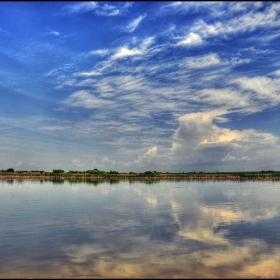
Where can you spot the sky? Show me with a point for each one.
(136, 86)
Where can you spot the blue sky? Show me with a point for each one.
(135, 86)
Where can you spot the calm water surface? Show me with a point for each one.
(166, 229)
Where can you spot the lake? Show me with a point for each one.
(165, 229)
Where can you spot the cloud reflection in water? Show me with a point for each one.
(137, 230)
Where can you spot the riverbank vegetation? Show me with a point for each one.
(94, 174)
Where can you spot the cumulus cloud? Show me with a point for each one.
(143, 92)
(108, 163)
(76, 163)
(195, 128)
(200, 144)
(155, 158)
(200, 140)
(275, 73)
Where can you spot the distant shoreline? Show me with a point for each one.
(143, 178)
(94, 175)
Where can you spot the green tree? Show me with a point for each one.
(95, 171)
(56, 171)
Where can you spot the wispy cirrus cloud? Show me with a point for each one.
(233, 18)
(121, 85)
(80, 8)
(85, 99)
(226, 98)
(108, 63)
(124, 52)
(189, 7)
(98, 8)
(102, 52)
(203, 61)
(136, 95)
(242, 22)
(192, 39)
(134, 23)
(245, 95)
(53, 128)
(55, 33)
(264, 89)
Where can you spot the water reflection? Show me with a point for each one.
(10, 181)
(137, 230)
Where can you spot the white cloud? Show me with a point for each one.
(229, 157)
(199, 144)
(245, 21)
(102, 52)
(84, 99)
(109, 63)
(56, 33)
(133, 24)
(252, 95)
(237, 61)
(153, 159)
(106, 162)
(199, 140)
(91, 73)
(192, 39)
(81, 7)
(146, 43)
(225, 98)
(142, 49)
(203, 61)
(199, 128)
(98, 8)
(76, 163)
(179, 7)
(152, 151)
(53, 128)
(275, 73)
(124, 52)
(195, 127)
(266, 88)
(108, 10)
